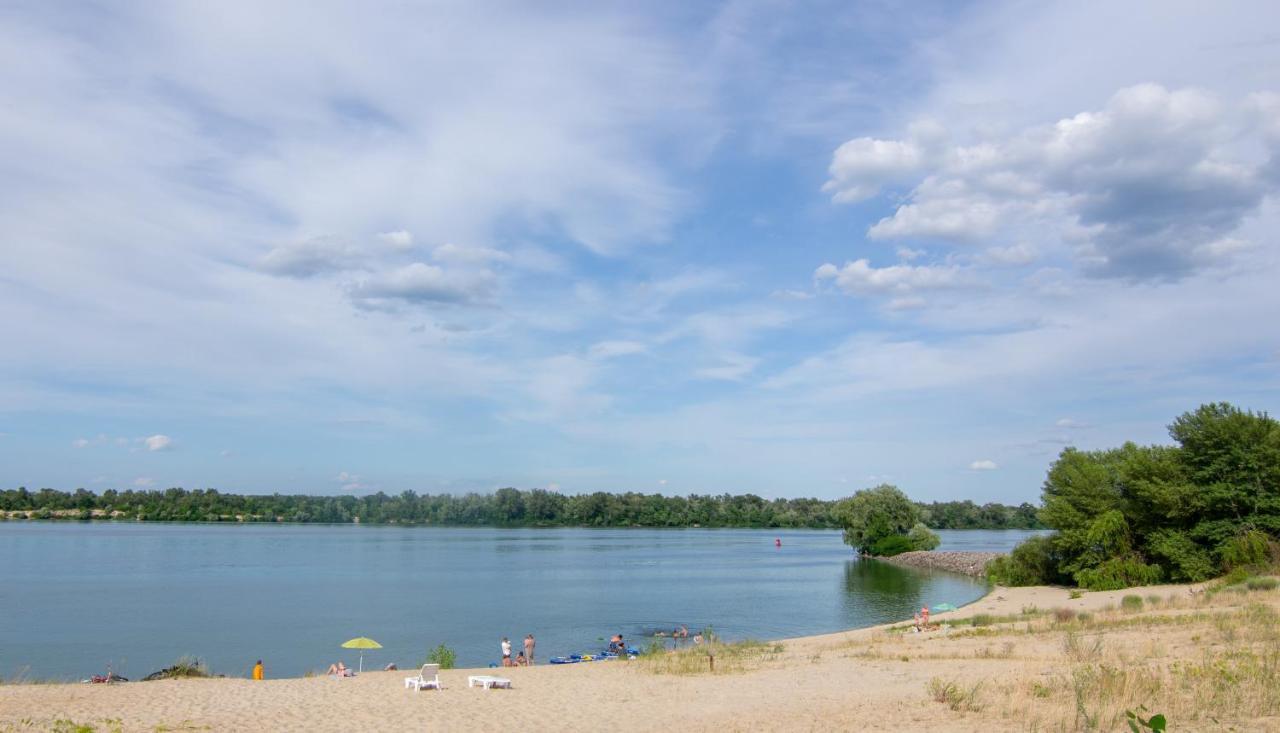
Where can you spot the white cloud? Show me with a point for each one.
(143, 482)
(907, 254)
(419, 283)
(1150, 186)
(861, 278)
(80, 442)
(400, 239)
(1013, 255)
(157, 442)
(611, 349)
(310, 257)
(983, 465)
(350, 481)
(862, 165)
(1067, 422)
(449, 252)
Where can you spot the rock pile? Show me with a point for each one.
(967, 563)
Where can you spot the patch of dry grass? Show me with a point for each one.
(730, 658)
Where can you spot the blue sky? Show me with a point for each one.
(791, 248)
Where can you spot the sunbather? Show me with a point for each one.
(338, 669)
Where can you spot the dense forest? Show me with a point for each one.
(1143, 514)
(503, 508)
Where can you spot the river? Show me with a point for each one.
(75, 597)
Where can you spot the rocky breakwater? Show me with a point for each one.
(967, 563)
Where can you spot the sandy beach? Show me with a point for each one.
(1011, 667)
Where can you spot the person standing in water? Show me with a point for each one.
(257, 670)
(528, 649)
(506, 652)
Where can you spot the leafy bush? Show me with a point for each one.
(1186, 561)
(1249, 550)
(1119, 573)
(1131, 603)
(922, 538)
(443, 656)
(892, 545)
(1034, 562)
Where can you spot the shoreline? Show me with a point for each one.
(854, 679)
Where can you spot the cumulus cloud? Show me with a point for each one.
(860, 167)
(983, 465)
(419, 283)
(1149, 186)
(860, 277)
(1013, 255)
(157, 442)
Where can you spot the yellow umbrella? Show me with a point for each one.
(361, 642)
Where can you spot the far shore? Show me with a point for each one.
(1013, 660)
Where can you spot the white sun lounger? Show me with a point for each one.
(488, 681)
(427, 679)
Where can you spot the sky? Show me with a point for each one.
(787, 248)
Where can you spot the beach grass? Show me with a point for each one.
(1108, 672)
(713, 658)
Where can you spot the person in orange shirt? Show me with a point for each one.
(257, 670)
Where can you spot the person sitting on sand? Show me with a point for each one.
(521, 661)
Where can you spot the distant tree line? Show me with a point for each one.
(503, 508)
(1143, 514)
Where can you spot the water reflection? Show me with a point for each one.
(875, 592)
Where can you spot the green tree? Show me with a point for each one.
(872, 515)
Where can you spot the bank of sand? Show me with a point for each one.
(873, 679)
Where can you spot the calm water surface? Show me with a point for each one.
(75, 597)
